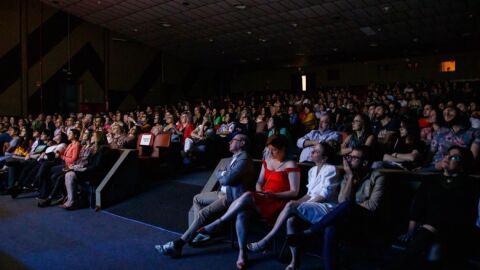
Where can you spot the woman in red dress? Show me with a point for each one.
(278, 183)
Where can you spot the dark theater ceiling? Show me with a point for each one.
(287, 31)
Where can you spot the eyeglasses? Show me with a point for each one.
(350, 158)
(454, 157)
(238, 140)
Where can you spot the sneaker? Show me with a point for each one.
(169, 249)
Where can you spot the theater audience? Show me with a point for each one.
(449, 118)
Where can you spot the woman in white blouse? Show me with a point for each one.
(321, 198)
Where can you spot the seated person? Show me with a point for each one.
(385, 129)
(321, 198)
(322, 134)
(227, 128)
(21, 172)
(435, 123)
(278, 182)
(235, 179)
(86, 169)
(407, 149)
(67, 158)
(10, 147)
(457, 133)
(360, 197)
(308, 119)
(198, 137)
(116, 138)
(361, 134)
(443, 215)
(275, 127)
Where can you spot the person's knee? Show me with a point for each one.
(291, 224)
(196, 199)
(290, 207)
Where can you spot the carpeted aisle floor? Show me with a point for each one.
(52, 238)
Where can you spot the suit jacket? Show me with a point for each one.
(238, 176)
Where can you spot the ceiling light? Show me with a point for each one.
(257, 59)
(294, 25)
(290, 43)
(210, 40)
(373, 44)
(239, 6)
(135, 30)
(386, 8)
(262, 40)
(300, 54)
(165, 24)
(335, 49)
(249, 32)
(415, 40)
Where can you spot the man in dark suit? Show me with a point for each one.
(235, 179)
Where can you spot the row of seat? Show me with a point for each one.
(150, 145)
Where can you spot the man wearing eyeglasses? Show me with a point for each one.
(234, 179)
(360, 197)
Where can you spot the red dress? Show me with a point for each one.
(275, 181)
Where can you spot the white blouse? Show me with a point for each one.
(325, 184)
